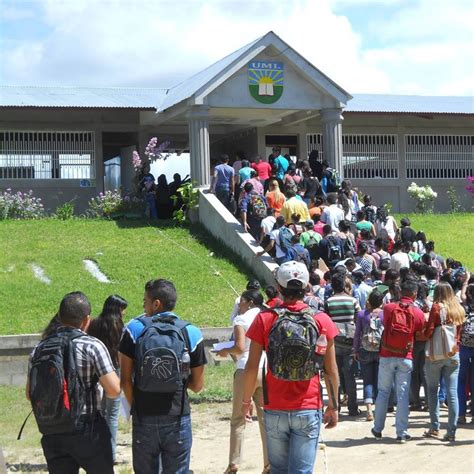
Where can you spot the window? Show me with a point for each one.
(47, 155)
(439, 156)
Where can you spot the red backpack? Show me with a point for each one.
(398, 336)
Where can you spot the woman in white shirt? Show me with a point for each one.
(385, 222)
(250, 305)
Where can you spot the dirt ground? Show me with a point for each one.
(347, 448)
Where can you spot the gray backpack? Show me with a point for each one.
(162, 354)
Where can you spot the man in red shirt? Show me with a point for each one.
(293, 409)
(396, 364)
(263, 168)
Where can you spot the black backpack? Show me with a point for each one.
(162, 355)
(334, 254)
(349, 245)
(370, 213)
(312, 245)
(291, 351)
(57, 392)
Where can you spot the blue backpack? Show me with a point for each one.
(162, 354)
(284, 238)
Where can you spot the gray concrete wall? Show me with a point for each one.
(226, 228)
(14, 352)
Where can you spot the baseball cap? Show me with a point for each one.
(293, 275)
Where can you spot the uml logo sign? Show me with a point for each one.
(265, 80)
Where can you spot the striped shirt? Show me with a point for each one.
(342, 308)
(93, 361)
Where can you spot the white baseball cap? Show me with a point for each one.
(293, 275)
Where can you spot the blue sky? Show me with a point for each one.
(386, 46)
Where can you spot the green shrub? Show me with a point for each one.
(105, 204)
(65, 211)
(20, 205)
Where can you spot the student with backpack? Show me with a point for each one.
(280, 240)
(466, 357)
(253, 209)
(64, 372)
(401, 320)
(330, 247)
(367, 337)
(298, 253)
(443, 331)
(294, 206)
(108, 328)
(331, 180)
(310, 240)
(161, 357)
(299, 343)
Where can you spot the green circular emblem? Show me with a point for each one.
(265, 79)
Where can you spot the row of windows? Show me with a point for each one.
(372, 156)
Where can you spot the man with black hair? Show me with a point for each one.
(295, 407)
(253, 209)
(342, 308)
(88, 444)
(401, 321)
(294, 206)
(223, 181)
(330, 247)
(161, 433)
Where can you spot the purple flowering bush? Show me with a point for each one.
(20, 205)
(470, 185)
(105, 204)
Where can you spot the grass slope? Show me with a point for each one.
(453, 234)
(129, 253)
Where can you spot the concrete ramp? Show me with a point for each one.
(215, 217)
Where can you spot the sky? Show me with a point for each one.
(423, 47)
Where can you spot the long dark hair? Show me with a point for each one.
(52, 327)
(108, 326)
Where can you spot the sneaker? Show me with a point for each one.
(403, 439)
(354, 413)
(462, 420)
(450, 438)
(376, 434)
(431, 433)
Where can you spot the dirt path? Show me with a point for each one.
(348, 448)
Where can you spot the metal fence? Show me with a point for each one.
(47, 155)
(439, 156)
(365, 156)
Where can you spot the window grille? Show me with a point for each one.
(47, 155)
(370, 156)
(364, 156)
(439, 156)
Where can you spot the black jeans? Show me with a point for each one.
(89, 448)
(345, 365)
(418, 374)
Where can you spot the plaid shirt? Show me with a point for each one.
(93, 361)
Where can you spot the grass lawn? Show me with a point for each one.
(128, 252)
(453, 234)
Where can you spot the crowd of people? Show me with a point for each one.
(355, 295)
(161, 198)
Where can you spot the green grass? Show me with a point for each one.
(453, 234)
(14, 407)
(129, 253)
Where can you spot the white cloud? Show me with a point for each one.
(160, 43)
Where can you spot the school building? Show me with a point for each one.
(62, 141)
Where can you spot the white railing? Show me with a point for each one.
(47, 155)
(439, 156)
(365, 156)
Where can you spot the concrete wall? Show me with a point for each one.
(14, 352)
(225, 227)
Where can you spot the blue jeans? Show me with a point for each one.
(398, 370)
(418, 374)
(161, 444)
(150, 199)
(448, 369)
(466, 370)
(369, 367)
(292, 440)
(111, 410)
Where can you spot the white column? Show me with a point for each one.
(332, 138)
(198, 129)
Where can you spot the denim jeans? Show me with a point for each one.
(369, 367)
(89, 448)
(292, 440)
(111, 410)
(150, 199)
(418, 374)
(161, 444)
(398, 370)
(449, 370)
(466, 370)
(223, 194)
(345, 365)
